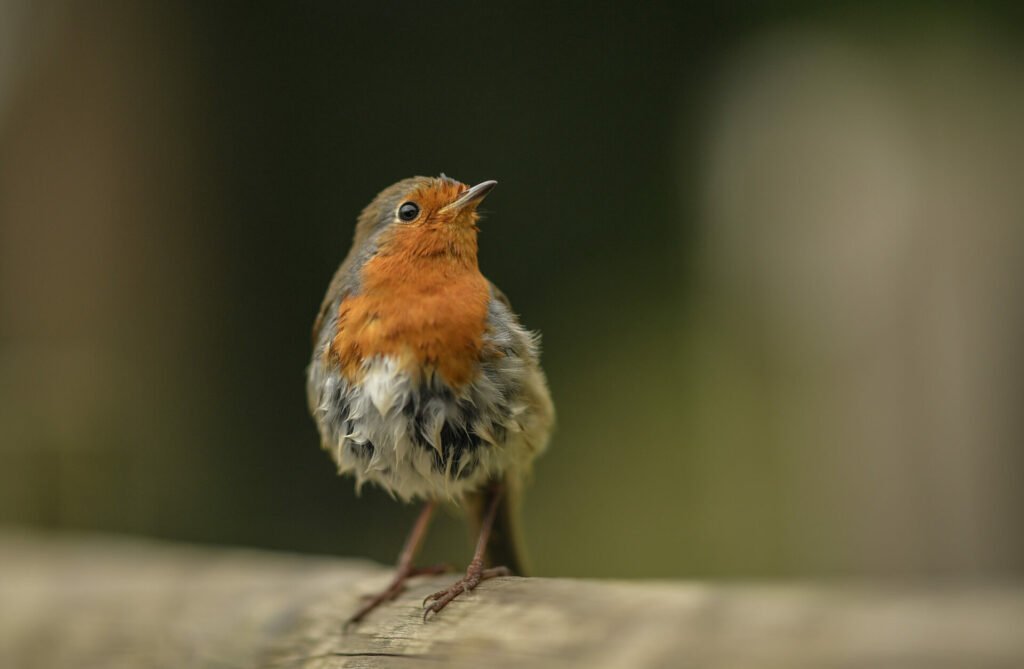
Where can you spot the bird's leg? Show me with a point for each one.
(475, 573)
(405, 569)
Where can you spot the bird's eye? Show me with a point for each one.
(408, 211)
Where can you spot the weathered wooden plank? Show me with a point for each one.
(87, 602)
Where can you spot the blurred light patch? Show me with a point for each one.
(861, 255)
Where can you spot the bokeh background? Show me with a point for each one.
(776, 252)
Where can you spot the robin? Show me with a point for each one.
(423, 381)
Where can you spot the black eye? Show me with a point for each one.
(408, 211)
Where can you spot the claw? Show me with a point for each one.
(392, 591)
(435, 602)
(436, 595)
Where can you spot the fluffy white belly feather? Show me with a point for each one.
(424, 440)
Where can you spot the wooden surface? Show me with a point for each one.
(88, 602)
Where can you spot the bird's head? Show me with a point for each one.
(422, 213)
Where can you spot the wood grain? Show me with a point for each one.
(89, 602)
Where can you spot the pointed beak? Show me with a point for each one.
(472, 197)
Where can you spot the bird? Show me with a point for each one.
(423, 381)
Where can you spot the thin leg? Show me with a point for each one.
(405, 569)
(475, 573)
(415, 539)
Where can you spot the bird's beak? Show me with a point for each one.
(472, 197)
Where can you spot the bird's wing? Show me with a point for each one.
(336, 293)
(505, 544)
(319, 322)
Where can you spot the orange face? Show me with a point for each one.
(422, 300)
(434, 202)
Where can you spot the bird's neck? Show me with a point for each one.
(422, 301)
(424, 258)
(446, 244)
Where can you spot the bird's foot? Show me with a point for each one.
(394, 589)
(475, 575)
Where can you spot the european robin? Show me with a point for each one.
(422, 379)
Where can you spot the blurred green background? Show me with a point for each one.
(775, 250)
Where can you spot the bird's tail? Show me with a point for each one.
(505, 544)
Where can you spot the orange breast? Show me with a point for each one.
(422, 302)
